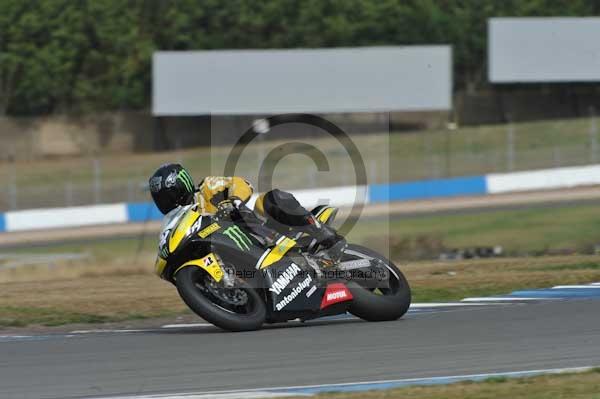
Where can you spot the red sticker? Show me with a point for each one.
(335, 293)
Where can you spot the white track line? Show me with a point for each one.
(413, 306)
(445, 305)
(359, 386)
(559, 287)
(225, 395)
(187, 325)
(504, 299)
(99, 331)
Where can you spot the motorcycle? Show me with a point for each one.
(228, 276)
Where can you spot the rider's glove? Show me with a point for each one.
(224, 209)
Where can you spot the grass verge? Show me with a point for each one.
(103, 293)
(97, 299)
(449, 281)
(556, 386)
(12, 316)
(117, 283)
(557, 229)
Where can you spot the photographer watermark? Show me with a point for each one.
(268, 165)
(319, 163)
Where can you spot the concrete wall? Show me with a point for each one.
(59, 136)
(521, 103)
(55, 136)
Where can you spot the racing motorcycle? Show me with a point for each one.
(228, 276)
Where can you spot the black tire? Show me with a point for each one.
(194, 298)
(394, 302)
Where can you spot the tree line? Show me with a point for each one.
(79, 56)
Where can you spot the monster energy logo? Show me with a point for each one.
(164, 252)
(239, 237)
(186, 179)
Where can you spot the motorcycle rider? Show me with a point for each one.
(172, 186)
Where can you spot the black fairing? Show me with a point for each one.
(297, 294)
(195, 247)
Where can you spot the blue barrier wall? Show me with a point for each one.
(143, 211)
(457, 186)
(378, 193)
(140, 212)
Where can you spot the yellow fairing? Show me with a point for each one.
(277, 252)
(325, 214)
(182, 229)
(208, 263)
(159, 266)
(259, 205)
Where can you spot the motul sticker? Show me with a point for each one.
(335, 293)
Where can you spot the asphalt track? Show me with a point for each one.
(480, 339)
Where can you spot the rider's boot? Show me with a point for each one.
(332, 244)
(286, 211)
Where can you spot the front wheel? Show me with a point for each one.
(239, 308)
(389, 301)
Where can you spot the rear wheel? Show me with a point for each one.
(389, 300)
(239, 308)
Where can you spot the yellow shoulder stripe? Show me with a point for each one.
(276, 253)
(208, 263)
(325, 214)
(182, 229)
(159, 266)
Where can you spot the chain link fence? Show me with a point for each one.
(412, 156)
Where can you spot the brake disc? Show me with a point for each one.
(231, 296)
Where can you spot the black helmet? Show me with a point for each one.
(171, 186)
